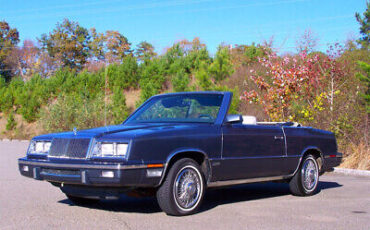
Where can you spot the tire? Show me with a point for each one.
(185, 175)
(81, 200)
(309, 171)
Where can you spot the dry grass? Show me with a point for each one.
(132, 96)
(23, 129)
(357, 156)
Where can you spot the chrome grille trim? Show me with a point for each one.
(76, 148)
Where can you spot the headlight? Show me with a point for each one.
(109, 149)
(39, 147)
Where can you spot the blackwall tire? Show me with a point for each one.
(306, 179)
(183, 189)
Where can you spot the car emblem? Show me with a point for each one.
(75, 131)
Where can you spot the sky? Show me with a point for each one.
(214, 21)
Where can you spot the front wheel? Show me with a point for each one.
(305, 181)
(183, 188)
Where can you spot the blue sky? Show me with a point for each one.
(214, 21)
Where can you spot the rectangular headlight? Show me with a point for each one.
(39, 147)
(109, 149)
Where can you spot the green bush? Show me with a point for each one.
(119, 109)
(180, 82)
(75, 110)
(203, 79)
(221, 67)
(33, 94)
(152, 78)
(124, 75)
(235, 100)
(8, 95)
(11, 123)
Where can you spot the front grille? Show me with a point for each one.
(69, 148)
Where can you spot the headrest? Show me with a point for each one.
(249, 120)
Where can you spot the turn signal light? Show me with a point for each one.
(155, 165)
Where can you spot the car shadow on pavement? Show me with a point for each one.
(249, 192)
(123, 204)
(213, 197)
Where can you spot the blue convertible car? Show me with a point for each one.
(178, 145)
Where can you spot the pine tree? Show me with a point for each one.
(366, 79)
(11, 123)
(364, 27)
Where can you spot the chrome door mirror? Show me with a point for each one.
(234, 118)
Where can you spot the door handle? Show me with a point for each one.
(278, 137)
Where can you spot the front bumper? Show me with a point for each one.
(90, 174)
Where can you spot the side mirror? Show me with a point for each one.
(233, 118)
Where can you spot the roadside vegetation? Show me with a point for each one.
(78, 77)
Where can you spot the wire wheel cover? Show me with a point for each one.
(188, 188)
(310, 174)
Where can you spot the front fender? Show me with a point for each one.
(193, 153)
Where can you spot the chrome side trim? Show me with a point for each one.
(299, 164)
(82, 166)
(246, 181)
(247, 158)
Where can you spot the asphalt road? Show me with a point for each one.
(342, 203)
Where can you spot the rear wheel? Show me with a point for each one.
(81, 200)
(183, 188)
(305, 181)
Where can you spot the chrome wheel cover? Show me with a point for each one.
(188, 188)
(310, 174)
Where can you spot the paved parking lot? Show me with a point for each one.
(342, 203)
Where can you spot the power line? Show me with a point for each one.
(162, 37)
(99, 11)
(59, 7)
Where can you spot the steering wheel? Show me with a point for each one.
(206, 116)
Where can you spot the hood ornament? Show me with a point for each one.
(75, 131)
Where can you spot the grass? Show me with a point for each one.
(357, 156)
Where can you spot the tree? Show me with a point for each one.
(307, 41)
(288, 79)
(97, 45)
(9, 38)
(190, 46)
(117, 46)
(364, 26)
(202, 76)
(25, 61)
(366, 80)
(144, 51)
(297, 87)
(180, 81)
(221, 66)
(68, 44)
(119, 109)
(248, 54)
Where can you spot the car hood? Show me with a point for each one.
(117, 131)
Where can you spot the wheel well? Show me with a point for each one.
(200, 158)
(317, 154)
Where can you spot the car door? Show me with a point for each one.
(252, 151)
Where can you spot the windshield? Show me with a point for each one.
(179, 108)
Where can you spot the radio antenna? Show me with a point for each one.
(105, 96)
